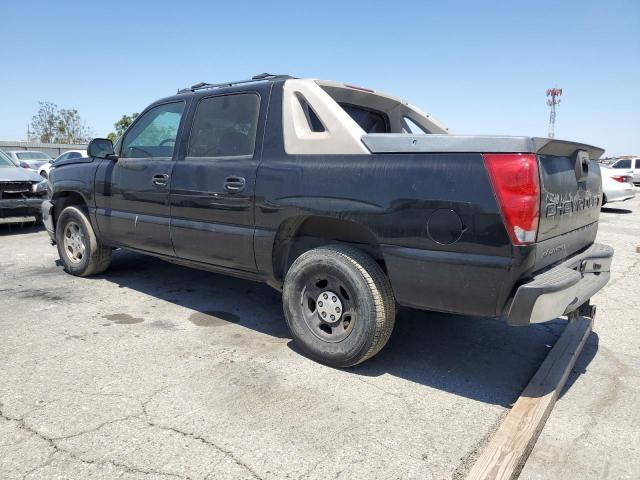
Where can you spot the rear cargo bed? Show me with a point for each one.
(570, 183)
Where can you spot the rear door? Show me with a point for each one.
(213, 181)
(132, 194)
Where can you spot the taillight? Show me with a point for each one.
(621, 178)
(516, 185)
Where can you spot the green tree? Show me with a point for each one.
(121, 125)
(53, 125)
(71, 128)
(44, 123)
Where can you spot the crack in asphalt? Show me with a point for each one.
(622, 274)
(144, 416)
(56, 448)
(602, 402)
(227, 453)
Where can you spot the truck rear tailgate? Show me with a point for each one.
(570, 192)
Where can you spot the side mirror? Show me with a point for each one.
(101, 148)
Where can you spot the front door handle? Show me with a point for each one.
(234, 184)
(160, 179)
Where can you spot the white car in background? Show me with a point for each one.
(30, 159)
(632, 164)
(44, 169)
(617, 185)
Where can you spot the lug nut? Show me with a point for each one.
(325, 296)
(333, 317)
(334, 298)
(337, 309)
(320, 303)
(324, 314)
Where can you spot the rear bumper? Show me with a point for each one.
(563, 288)
(19, 208)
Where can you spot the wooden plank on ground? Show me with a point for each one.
(512, 443)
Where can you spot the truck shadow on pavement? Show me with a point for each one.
(616, 210)
(477, 358)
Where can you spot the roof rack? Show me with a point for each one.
(256, 78)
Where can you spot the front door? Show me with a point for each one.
(132, 193)
(213, 183)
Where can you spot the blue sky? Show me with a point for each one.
(479, 67)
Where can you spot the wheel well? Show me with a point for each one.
(301, 234)
(63, 200)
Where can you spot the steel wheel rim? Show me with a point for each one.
(74, 242)
(325, 295)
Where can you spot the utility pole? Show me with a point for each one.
(553, 99)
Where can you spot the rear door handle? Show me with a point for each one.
(234, 184)
(160, 179)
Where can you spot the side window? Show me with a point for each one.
(154, 133)
(74, 155)
(225, 126)
(637, 162)
(315, 124)
(64, 156)
(623, 164)
(371, 121)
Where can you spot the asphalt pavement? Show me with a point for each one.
(152, 370)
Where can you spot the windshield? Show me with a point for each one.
(4, 161)
(32, 156)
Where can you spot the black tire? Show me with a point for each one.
(83, 255)
(355, 284)
(604, 200)
(43, 174)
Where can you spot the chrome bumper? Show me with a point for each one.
(563, 288)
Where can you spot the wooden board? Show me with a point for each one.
(512, 443)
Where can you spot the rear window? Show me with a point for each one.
(32, 156)
(225, 126)
(371, 121)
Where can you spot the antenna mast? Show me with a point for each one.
(553, 99)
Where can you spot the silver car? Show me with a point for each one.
(21, 193)
(30, 159)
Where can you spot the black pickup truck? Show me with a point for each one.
(349, 201)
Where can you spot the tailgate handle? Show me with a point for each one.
(581, 165)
